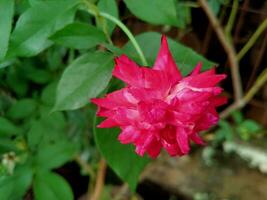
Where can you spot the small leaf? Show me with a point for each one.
(185, 57)
(237, 116)
(79, 36)
(49, 93)
(62, 152)
(48, 185)
(248, 128)
(183, 14)
(215, 6)
(14, 187)
(40, 76)
(47, 130)
(121, 158)
(85, 78)
(22, 109)
(37, 23)
(225, 132)
(6, 16)
(158, 12)
(16, 82)
(110, 7)
(7, 128)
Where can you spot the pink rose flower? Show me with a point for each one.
(160, 108)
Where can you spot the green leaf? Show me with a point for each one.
(185, 57)
(215, 6)
(49, 93)
(6, 16)
(115, 50)
(159, 12)
(7, 128)
(22, 109)
(237, 116)
(79, 36)
(16, 82)
(47, 130)
(85, 78)
(39, 22)
(121, 158)
(225, 132)
(110, 7)
(13, 187)
(40, 76)
(183, 14)
(61, 150)
(48, 185)
(248, 128)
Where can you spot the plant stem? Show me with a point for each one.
(249, 95)
(252, 40)
(100, 180)
(87, 168)
(229, 49)
(231, 20)
(128, 33)
(92, 9)
(257, 85)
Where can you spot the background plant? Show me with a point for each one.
(56, 55)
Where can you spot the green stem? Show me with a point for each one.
(128, 33)
(252, 40)
(92, 9)
(250, 94)
(231, 20)
(257, 85)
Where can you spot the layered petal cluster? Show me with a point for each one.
(159, 108)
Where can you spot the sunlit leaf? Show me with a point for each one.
(85, 78)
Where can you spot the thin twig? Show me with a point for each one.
(252, 40)
(257, 63)
(249, 95)
(100, 180)
(124, 189)
(231, 20)
(87, 168)
(240, 20)
(229, 49)
(207, 38)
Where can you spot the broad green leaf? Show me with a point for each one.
(79, 36)
(7, 128)
(6, 16)
(85, 78)
(185, 57)
(110, 7)
(13, 187)
(48, 185)
(62, 151)
(160, 12)
(22, 109)
(121, 158)
(39, 22)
